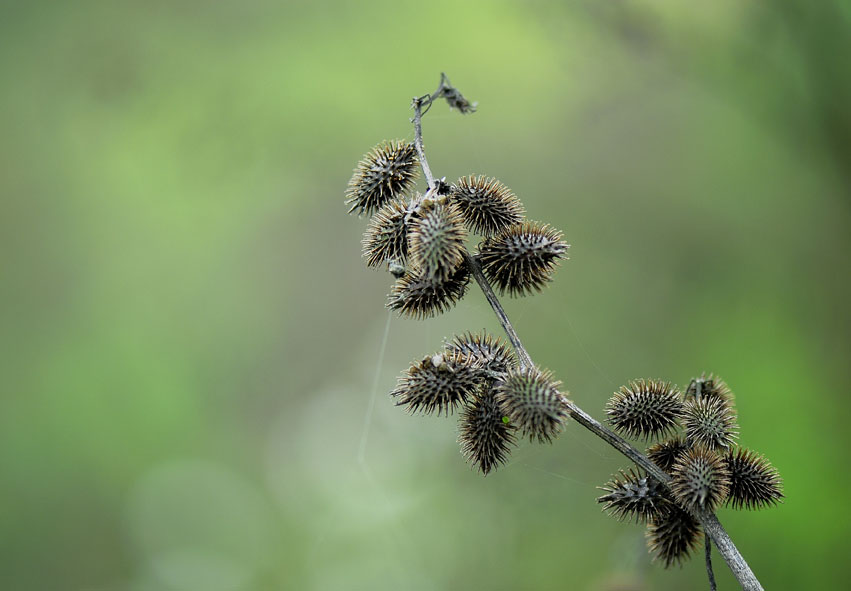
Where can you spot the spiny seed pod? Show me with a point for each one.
(386, 238)
(419, 297)
(522, 259)
(439, 382)
(666, 453)
(533, 403)
(387, 171)
(633, 496)
(673, 536)
(708, 387)
(700, 479)
(710, 422)
(485, 437)
(487, 205)
(644, 408)
(754, 482)
(488, 352)
(437, 240)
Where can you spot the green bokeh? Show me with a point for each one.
(190, 337)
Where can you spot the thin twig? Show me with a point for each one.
(709, 573)
(476, 270)
(417, 104)
(711, 526)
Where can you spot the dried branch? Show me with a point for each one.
(712, 527)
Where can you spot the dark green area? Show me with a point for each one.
(190, 337)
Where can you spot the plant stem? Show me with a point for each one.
(417, 103)
(711, 526)
(476, 270)
(709, 573)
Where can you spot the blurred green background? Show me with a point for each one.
(190, 338)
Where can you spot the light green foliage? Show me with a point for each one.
(189, 335)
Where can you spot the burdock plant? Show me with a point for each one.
(499, 393)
